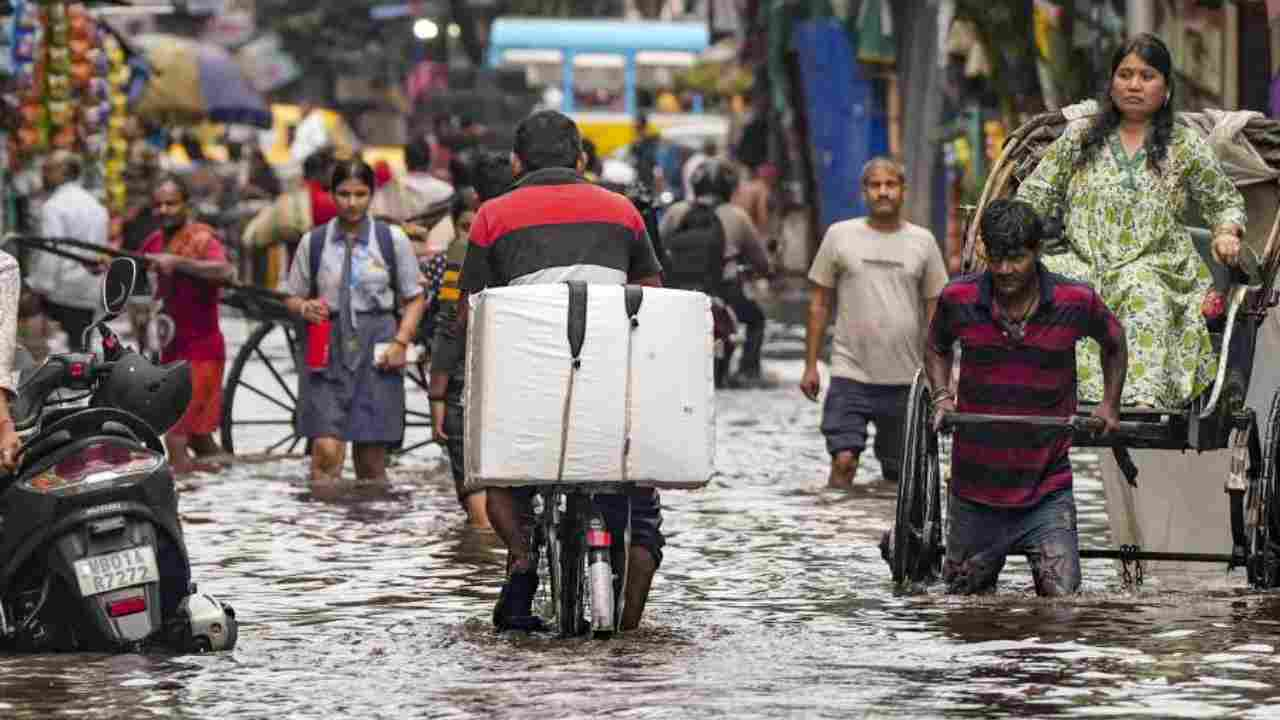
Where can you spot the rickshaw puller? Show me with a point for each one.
(1011, 485)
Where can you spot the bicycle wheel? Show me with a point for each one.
(573, 598)
(917, 531)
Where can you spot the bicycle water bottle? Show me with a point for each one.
(600, 573)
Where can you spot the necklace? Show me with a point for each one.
(1016, 329)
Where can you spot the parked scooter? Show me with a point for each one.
(92, 556)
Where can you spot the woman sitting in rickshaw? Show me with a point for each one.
(1122, 182)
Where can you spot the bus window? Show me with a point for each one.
(598, 81)
(656, 73)
(542, 68)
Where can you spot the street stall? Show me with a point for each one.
(67, 89)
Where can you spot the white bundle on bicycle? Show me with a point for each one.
(589, 384)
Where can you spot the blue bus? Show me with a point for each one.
(602, 72)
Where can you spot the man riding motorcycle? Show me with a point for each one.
(706, 241)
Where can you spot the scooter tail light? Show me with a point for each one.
(599, 539)
(127, 606)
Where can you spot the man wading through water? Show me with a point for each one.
(1017, 324)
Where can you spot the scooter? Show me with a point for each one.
(92, 556)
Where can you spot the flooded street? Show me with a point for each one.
(772, 601)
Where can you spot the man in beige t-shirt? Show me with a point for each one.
(887, 275)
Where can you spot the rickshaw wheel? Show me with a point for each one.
(917, 539)
(270, 428)
(1263, 508)
(266, 368)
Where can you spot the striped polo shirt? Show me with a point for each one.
(1006, 465)
(552, 227)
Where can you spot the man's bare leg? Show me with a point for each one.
(477, 506)
(204, 445)
(639, 580)
(506, 519)
(179, 458)
(844, 466)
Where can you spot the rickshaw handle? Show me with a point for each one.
(1075, 422)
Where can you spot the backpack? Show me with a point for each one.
(695, 251)
(386, 246)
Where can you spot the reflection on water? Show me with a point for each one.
(772, 602)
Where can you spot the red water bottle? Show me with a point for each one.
(318, 344)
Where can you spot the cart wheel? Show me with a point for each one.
(417, 409)
(916, 553)
(259, 400)
(1262, 508)
(264, 379)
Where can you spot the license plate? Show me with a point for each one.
(104, 573)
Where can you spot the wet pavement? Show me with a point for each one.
(772, 602)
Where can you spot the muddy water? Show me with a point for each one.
(772, 602)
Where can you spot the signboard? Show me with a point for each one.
(266, 63)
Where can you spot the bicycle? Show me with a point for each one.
(573, 548)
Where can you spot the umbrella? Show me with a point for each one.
(193, 81)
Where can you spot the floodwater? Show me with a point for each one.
(772, 602)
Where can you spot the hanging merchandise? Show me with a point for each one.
(70, 77)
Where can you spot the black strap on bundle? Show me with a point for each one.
(577, 319)
(634, 296)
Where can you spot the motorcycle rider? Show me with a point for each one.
(689, 227)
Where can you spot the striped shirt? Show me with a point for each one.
(1010, 465)
(554, 226)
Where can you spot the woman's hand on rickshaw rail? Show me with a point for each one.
(1226, 248)
(1109, 417)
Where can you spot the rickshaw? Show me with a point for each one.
(1218, 419)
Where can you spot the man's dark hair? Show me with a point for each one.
(178, 182)
(463, 200)
(1010, 226)
(547, 139)
(491, 174)
(318, 164)
(417, 156)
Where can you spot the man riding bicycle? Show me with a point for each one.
(553, 227)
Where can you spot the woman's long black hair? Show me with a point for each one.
(1153, 51)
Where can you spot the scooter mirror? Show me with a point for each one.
(118, 285)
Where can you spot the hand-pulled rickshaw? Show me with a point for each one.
(1219, 419)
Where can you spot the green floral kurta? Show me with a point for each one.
(1127, 237)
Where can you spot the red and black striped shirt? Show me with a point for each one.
(1011, 465)
(554, 226)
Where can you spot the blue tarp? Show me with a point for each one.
(846, 119)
